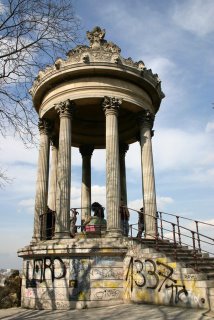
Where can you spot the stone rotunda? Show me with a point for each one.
(95, 99)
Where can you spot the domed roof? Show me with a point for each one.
(99, 51)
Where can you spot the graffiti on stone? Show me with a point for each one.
(147, 274)
(107, 294)
(44, 268)
(176, 292)
(107, 273)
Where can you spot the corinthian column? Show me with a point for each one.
(42, 179)
(53, 174)
(111, 107)
(62, 226)
(146, 120)
(123, 147)
(86, 152)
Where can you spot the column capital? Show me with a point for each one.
(111, 105)
(54, 141)
(86, 150)
(44, 126)
(146, 119)
(65, 108)
(123, 148)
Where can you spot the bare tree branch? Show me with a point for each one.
(32, 34)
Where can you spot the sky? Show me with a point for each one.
(176, 40)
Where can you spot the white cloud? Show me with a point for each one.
(98, 194)
(26, 205)
(135, 204)
(210, 127)
(195, 16)
(2, 8)
(162, 203)
(176, 149)
(13, 151)
(161, 65)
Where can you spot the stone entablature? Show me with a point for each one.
(99, 53)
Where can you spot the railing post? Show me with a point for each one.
(174, 240)
(161, 224)
(156, 232)
(156, 228)
(194, 249)
(131, 229)
(179, 232)
(198, 236)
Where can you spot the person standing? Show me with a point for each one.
(141, 224)
(124, 215)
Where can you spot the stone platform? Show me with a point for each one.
(125, 312)
(84, 273)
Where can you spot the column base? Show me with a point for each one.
(35, 239)
(62, 235)
(150, 235)
(114, 233)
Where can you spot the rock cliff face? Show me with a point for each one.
(10, 293)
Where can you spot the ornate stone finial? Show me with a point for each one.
(96, 37)
(111, 104)
(86, 150)
(146, 118)
(65, 108)
(44, 126)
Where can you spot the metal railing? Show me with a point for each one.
(167, 226)
(178, 235)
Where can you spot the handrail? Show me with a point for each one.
(177, 230)
(175, 215)
(196, 237)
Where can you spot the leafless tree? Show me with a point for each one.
(33, 33)
(4, 179)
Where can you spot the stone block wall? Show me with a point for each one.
(151, 277)
(76, 282)
(93, 277)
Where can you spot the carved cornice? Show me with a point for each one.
(111, 105)
(65, 108)
(146, 119)
(44, 126)
(86, 150)
(99, 50)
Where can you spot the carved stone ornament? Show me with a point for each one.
(54, 142)
(44, 126)
(65, 108)
(111, 104)
(96, 37)
(146, 118)
(99, 50)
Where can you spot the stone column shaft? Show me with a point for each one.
(62, 225)
(53, 175)
(148, 179)
(111, 106)
(42, 179)
(123, 189)
(86, 152)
